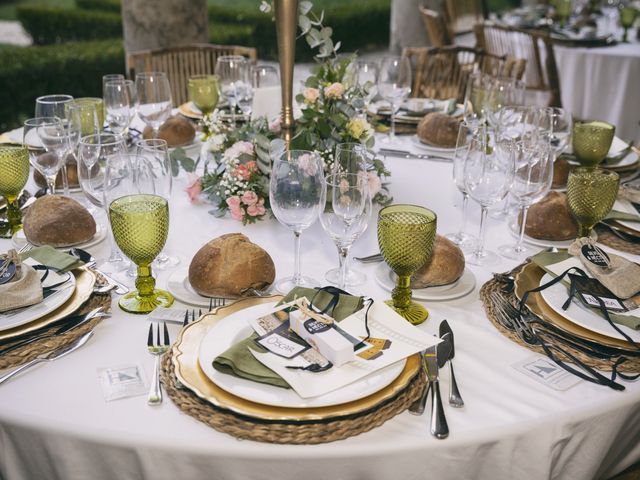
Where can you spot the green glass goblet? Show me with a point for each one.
(140, 225)
(14, 173)
(591, 193)
(627, 17)
(405, 235)
(592, 141)
(204, 91)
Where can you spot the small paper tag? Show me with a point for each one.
(596, 255)
(590, 289)
(283, 342)
(546, 372)
(8, 274)
(175, 315)
(121, 382)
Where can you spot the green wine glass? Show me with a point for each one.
(405, 235)
(591, 193)
(204, 91)
(14, 173)
(627, 17)
(592, 141)
(140, 225)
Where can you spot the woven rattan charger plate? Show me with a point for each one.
(194, 393)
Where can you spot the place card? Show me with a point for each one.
(121, 382)
(544, 371)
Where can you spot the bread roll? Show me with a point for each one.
(561, 169)
(439, 130)
(176, 131)
(550, 219)
(229, 266)
(72, 174)
(58, 221)
(445, 266)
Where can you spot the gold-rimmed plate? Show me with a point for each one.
(85, 280)
(188, 371)
(528, 279)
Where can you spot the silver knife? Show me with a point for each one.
(439, 427)
(409, 155)
(455, 399)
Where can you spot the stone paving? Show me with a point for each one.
(11, 32)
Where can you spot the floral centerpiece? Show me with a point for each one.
(236, 176)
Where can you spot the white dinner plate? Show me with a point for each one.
(19, 240)
(461, 287)
(617, 145)
(180, 287)
(189, 110)
(235, 327)
(556, 296)
(20, 317)
(515, 232)
(439, 151)
(625, 206)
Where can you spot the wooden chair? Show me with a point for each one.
(436, 26)
(541, 73)
(462, 15)
(442, 73)
(179, 63)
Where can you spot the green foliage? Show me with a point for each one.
(100, 5)
(72, 68)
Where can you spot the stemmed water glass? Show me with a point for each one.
(561, 126)
(120, 101)
(154, 99)
(394, 84)
(46, 139)
(591, 193)
(235, 86)
(475, 98)
(531, 182)
(139, 220)
(204, 91)
(367, 74)
(297, 193)
(591, 141)
(14, 165)
(111, 77)
(488, 174)
(94, 153)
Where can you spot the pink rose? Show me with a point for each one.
(261, 209)
(375, 184)
(252, 210)
(275, 125)
(242, 172)
(233, 202)
(245, 147)
(237, 213)
(194, 188)
(252, 166)
(249, 197)
(308, 164)
(310, 95)
(334, 91)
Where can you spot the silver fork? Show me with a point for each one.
(157, 348)
(26, 247)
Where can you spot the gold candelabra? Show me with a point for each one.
(286, 12)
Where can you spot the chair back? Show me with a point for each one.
(436, 26)
(179, 63)
(464, 14)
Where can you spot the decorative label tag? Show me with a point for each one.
(283, 342)
(8, 274)
(547, 373)
(590, 289)
(596, 255)
(121, 382)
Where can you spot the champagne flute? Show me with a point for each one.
(394, 84)
(591, 193)
(140, 223)
(233, 71)
(46, 140)
(532, 181)
(367, 75)
(14, 168)
(120, 99)
(204, 92)
(297, 193)
(345, 218)
(488, 174)
(406, 234)
(154, 99)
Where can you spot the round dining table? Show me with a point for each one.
(56, 424)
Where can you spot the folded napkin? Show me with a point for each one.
(53, 258)
(23, 289)
(624, 216)
(238, 360)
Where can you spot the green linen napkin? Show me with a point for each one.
(238, 360)
(624, 216)
(544, 259)
(53, 258)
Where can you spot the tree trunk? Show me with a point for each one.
(407, 29)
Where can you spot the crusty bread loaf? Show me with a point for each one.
(561, 170)
(445, 266)
(439, 130)
(551, 219)
(229, 266)
(176, 131)
(58, 221)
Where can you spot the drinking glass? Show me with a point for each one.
(140, 224)
(627, 17)
(120, 99)
(592, 141)
(345, 218)
(154, 99)
(88, 105)
(233, 71)
(111, 77)
(476, 96)
(394, 84)
(406, 234)
(488, 175)
(367, 74)
(46, 140)
(14, 173)
(561, 122)
(264, 76)
(86, 117)
(204, 92)
(94, 153)
(591, 193)
(465, 133)
(297, 193)
(531, 182)
(502, 92)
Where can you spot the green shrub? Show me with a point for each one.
(72, 68)
(229, 34)
(57, 25)
(100, 5)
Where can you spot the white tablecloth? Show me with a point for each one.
(54, 423)
(603, 84)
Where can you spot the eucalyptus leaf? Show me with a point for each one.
(304, 23)
(305, 7)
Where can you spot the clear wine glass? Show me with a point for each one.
(367, 74)
(265, 76)
(345, 217)
(94, 153)
(561, 126)
(154, 99)
(233, 71)
(394, 84)
(111, 77)
(488, 174)
(297, 193)
(46, 139)
(531, 182)
(120, 101)
(475, 98)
